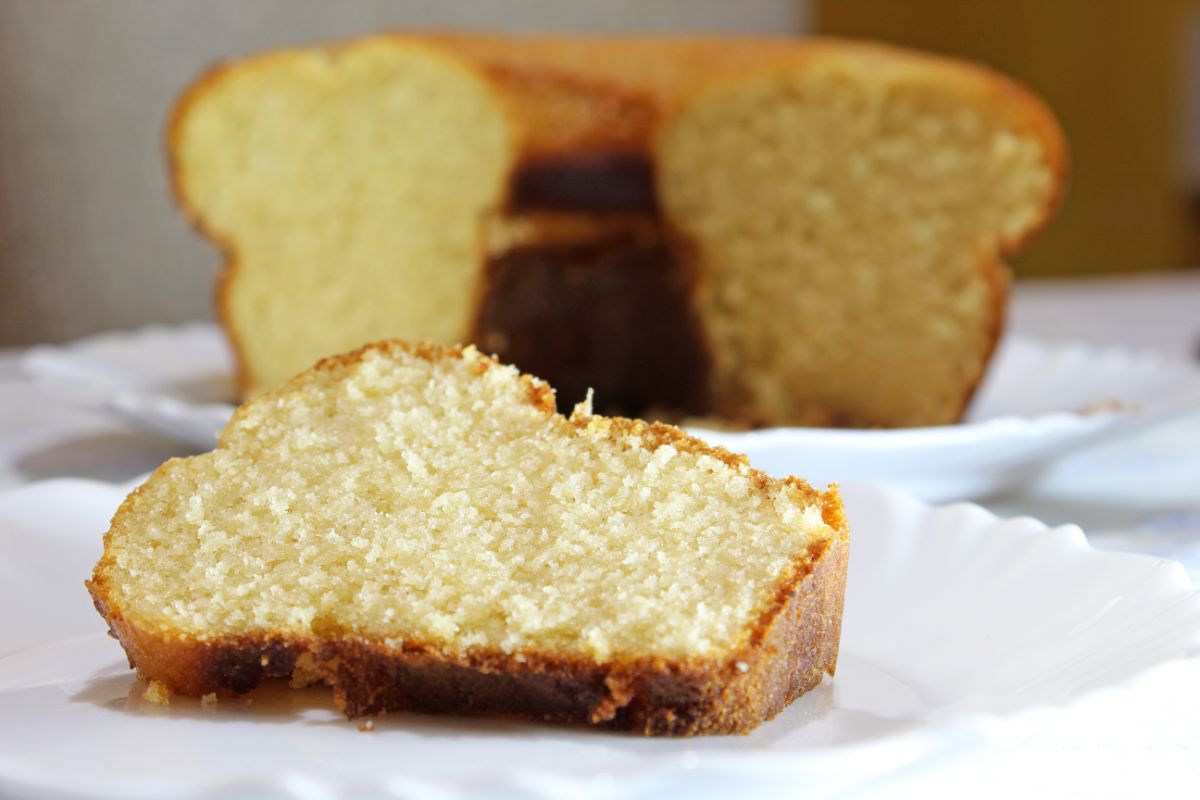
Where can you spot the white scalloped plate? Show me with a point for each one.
(173, 380)
(1040, 401)
(960, 630)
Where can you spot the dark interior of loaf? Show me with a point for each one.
(607, 311)
(596, 183)
(611, 315)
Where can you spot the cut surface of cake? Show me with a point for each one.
(418, 527)
(849, 207)
(348, 188)
(805, 232)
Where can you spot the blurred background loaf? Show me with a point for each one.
(90, 240)
(827, 219)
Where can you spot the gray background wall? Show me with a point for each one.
(89, 237)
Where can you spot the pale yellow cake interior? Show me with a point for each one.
(405, 499)
(353, 181)
(849, 213)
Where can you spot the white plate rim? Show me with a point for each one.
(1004, 450)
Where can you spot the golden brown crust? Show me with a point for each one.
(791, 646)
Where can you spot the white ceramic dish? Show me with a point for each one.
(173, 380)
(1040, 401)
(959, 629)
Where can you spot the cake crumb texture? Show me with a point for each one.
(850, 209)
(349, 188)
(414, 511)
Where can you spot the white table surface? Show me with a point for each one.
(1140, 493)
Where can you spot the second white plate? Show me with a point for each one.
(1039, 401)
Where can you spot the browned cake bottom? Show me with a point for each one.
(791, 650)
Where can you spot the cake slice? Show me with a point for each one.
(349, 188)
(419, 528)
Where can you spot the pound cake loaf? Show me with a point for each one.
(420, 529)
(764, 232)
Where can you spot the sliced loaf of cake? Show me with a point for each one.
(765, 232)
(418, 527)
